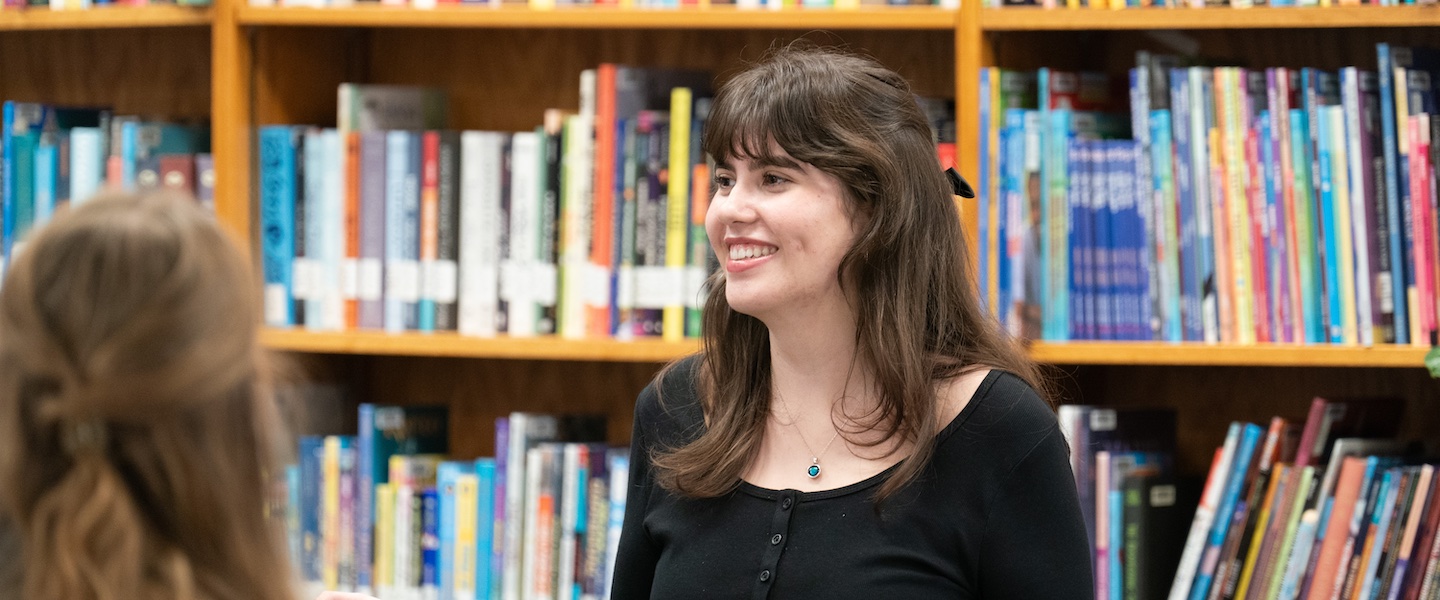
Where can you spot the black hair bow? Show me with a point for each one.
(958, 184)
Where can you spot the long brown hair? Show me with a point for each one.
(136, 425)
(919, 321)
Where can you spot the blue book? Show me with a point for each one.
(1012, 195)
(1079, 265)
(486, 577)
(1274, 241)
(129, 131)
(312, 461)
(1234, 483)
(1202, 118)
(313, 197)
(1104, 190)
(1192, 317)
(429, 500)
(446, 478)
(982, 190)
(401, 275)
(47, 173)
(277, 221)
(1329, 229)
(1307, 224)
(1053, 264)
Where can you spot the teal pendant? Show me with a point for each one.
(813, 471)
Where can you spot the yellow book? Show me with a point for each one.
(1237, 204)
(383, 576)
(330, 515)
(677, 217)
(1220, 227)
(1340, 171)
(467, 493)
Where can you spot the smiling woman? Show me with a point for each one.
(843, 312)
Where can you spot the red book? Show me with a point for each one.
(602, 232)
(1328, 567)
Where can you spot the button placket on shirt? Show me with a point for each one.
(770, 560)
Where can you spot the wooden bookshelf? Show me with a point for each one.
(117, 17)
(590, 17)
(453, 345)
(1345, 17)
(1060, 353)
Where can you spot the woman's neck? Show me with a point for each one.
(813, 361)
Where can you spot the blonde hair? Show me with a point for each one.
(136, 422)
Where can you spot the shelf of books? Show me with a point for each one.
(1260, 355)
(454, 345)
(605, 17)
(1274, 17)
(106, 18)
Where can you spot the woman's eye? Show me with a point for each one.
(772, 179)
(723, 181)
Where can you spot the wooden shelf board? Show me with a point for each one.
(1039, 19)
(725, 17)
(1066, 353)
(1263, 355)
(111, 17)
(451, 344)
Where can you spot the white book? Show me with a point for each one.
(1204, 517)
(312, 265)
(1359, 220)
(333, 232)
(86, 168)
(480, 180)
(526, 430)
(534, 474)
(522, 293)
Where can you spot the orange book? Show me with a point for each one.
(1347, 492)
(350, 265)
(602, 236)
(429, 226)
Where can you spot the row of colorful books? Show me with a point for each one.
(1123, 461)
(50, 156)
(1336, 509)
(623, 4)
(393, 223)
(592, 225)
(387, 513)
(1265, 205)
(1242, 4)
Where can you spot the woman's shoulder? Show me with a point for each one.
(1005, 419)
(669, 407)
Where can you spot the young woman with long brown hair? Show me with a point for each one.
(855, 426)
(136, 423)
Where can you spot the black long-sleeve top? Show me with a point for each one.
(993, 516)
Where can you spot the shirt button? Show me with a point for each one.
(785, 504)
(765, 575)
(775, 540)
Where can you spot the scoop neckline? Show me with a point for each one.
(771, 493)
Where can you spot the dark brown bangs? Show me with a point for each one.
(760, 108)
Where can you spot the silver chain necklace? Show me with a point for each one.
(813, 471)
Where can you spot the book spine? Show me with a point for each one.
(487, 578)
(371, 276)
(429, 233)
(534, 284)
(677, 216)
(602, 236)
(277, 221)
(479, 236)
(462, 582)
(350, 259)
(447, 264)
(1388, 155)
